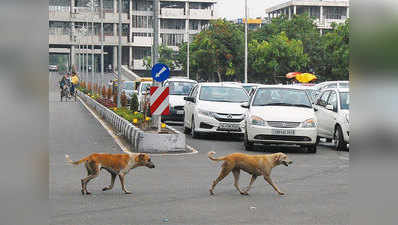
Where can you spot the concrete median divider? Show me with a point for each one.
(139, 140)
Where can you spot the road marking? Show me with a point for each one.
(120, 143)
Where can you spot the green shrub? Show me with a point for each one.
(134, 103)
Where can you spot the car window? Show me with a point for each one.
(333, 100)
(180, 87)
(223, 94)
(281, 96)
(324, 99)
(344, 100)
(331, 85)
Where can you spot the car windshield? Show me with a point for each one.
(180, 87)
(248, 88)
(281, 97)
(128, 85)
(312, 94)
(344, 85)
(223, 94)
(344, 100)
(145, 86)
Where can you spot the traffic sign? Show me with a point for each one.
(159, 100)
(160, 72)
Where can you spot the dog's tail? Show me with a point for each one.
(76, 162)
(210, 155)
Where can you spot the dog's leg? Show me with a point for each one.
(268, 179)
(121, 177)
(113, 177)
(224, 172)
(95, 169)
(236, 173)
(254, 177)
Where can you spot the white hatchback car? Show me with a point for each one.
(280, 115)
(214, 107)
(334, 116)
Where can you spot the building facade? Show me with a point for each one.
(177, 19)
(324, 12)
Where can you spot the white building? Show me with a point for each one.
(324, 12)
(66, 17)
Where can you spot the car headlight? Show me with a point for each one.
(310, 123)
(347, 117)
(205, 113)
(257, 121)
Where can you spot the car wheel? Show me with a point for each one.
(248, 144)
(194, 134)
(340, 144)
(312, 148)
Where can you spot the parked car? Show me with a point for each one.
(178, 89)
(214, 107)
(142, 92)
(52, 67)
(128, 88)
(280, 114)
(249, 86)
(332, 84)
(312, 92)
(334, 116)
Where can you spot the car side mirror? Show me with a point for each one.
(329, 107)
(245, 105)
(190, 99)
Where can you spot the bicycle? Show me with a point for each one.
(65, 93)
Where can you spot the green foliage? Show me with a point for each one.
(134, 102)
(167, 56)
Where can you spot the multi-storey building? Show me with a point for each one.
(325, 12)
(177, 19)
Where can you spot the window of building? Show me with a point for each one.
(172, 24)
(335, 12)
(194, 24)
(172, 39)
(141, 52)
(59, 28)
(142, 5)
(108, 29)
(142, 21)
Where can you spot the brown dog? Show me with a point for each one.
(256, 165)
(115, 164)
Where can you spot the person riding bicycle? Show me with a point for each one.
(74, 82)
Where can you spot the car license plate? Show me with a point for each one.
(228, 126)
(180, 112)
(282, 132)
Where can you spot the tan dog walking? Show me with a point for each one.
(256, 165)
(115, 164)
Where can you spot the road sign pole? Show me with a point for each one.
(156, 120)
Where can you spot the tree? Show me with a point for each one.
(276, 57)
(218, 50)
(167, 56)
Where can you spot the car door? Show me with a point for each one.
(321, 113)
(188, 107)
(330, 115)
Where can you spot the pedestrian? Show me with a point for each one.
(110, 67)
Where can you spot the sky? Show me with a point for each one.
(233, 9)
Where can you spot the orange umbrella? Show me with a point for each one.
(305, 77)
(292, 74)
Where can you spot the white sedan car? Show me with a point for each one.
(214, 108)
(334, 116)
(280, 115)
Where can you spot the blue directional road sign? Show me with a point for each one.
(160, 72)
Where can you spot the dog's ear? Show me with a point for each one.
(278, 156)
(140, 157)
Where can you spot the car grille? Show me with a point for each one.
(281, 138)
(283, 124)
(233, 118)
(180, 107)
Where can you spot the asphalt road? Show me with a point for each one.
(176, 191)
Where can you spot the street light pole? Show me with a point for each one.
(119, 53)
(188, 64)
(245, 41)
(102, 43)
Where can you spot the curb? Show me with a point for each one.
(139, 140)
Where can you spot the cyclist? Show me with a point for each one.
(74, 81)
